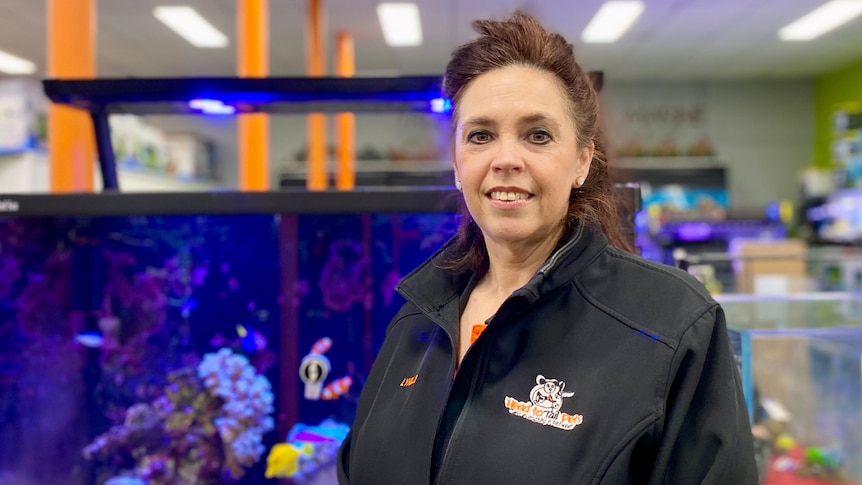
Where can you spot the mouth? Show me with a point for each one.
(507, 194)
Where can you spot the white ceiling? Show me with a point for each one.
(673, 39)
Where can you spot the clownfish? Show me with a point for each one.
(336, 388)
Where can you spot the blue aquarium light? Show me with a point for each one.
(211, 107)
(441, 105)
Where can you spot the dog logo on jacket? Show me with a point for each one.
(545, 404)
(548, 395)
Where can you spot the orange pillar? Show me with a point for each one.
(71, 26)
(345, 123)
(318, 175)
(252, 54)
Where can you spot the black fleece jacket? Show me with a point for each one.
(604, 368)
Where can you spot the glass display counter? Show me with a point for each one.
(801, 362)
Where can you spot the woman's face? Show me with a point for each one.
(516, 155)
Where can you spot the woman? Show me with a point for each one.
(532, 348)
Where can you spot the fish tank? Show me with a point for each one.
(224, 338)
(197, 338)
(801, 362)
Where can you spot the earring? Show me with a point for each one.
(580, 181)
(458, 185)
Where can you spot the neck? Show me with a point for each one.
(510, 268)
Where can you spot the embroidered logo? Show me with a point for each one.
(409, 381)
(546, 400)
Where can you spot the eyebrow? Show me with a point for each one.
(529, 119)
(536, 117)
(480, 121)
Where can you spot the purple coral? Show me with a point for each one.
(205, 430)
(247, 403)
(344, 279)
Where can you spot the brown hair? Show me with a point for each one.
(521, 40)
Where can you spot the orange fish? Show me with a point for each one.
(336, 388)
(321, 346)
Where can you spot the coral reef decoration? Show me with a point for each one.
(308, 454)
(345, 279)
(247, 398)
(45, 303)
(139, 342)
(206, 428)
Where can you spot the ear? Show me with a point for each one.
(540, 379)
(582, 169)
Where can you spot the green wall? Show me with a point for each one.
(840, 86)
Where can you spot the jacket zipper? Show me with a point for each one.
(487, 334)
(505, 311)
(447, 453)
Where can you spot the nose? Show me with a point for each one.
(508, 157)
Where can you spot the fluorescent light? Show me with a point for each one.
(15, 65)
(400, 23)
(612, 20)
(187, 22)
(822, 19)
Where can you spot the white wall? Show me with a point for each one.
(763, 132)
(26, 172)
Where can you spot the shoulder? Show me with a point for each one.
(406, 314)
(656, 298)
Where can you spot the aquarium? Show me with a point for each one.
(802, 376)
(196, 339)
(225, 338)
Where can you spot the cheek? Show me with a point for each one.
(467, 164)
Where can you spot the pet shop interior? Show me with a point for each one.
(205, 210)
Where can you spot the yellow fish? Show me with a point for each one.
(283, 459)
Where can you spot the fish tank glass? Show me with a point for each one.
(196, 339)
(801, 362)
(796, 309)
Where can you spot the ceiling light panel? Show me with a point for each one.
(400, 23)
(821, 20)
(190, 25)
(11, 64)
(613, 19)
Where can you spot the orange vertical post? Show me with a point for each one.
(71, 26)
(252, 56)
(345, 123)
(317, 177)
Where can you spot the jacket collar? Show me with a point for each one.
(437, 292)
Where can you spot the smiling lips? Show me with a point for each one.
(508, 195)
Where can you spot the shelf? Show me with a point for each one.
(362, 200)
(102, 97)
(247, 95)
(659, 163)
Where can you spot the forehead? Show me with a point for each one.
(512, 93)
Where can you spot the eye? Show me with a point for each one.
(479, 137)
(540, 137)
